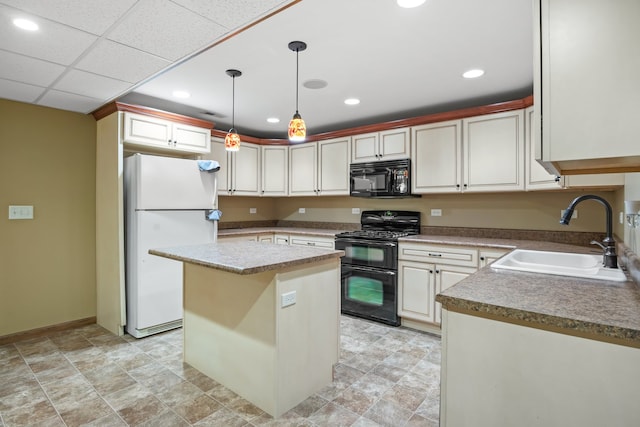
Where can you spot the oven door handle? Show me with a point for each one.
(369, 270)
(366, 242)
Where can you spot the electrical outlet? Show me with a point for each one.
(436, 212)
(301, 210)
(253, 210)
(355, 211)
(574, 216)
(288, 299)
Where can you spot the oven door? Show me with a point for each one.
(370, 253)
(370, 293)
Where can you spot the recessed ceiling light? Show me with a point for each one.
(352, 101)
(25, 24)
(408, 4)
(273, 120)
(472, 74)
(181, 94)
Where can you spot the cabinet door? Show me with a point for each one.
(537, 176)
(221, 155)
(394, 144)
(586, 82)
(416, 291)
(436, 153)
(245, 169)
(265, 238)
(303, 170)
(486, 257)
(191, 138)
(333, 166)
(364, 148)
(281, 239)
(493, 152)
(275, 170)
(145, 130)
(446, 277)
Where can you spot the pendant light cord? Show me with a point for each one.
(233, 103)
(297, 73)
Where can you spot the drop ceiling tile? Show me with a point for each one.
(91, 85)
(69, 102)
(231, 14)
(92, 16)
(52, 42)
(19, 91)
(121, 62)
(165, 29)
(28, 70)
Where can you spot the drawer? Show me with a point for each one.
(318, 242)
(440, 254)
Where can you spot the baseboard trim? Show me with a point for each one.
(47, 330)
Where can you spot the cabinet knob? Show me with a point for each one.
(481, 258)
(457, 185)
(437, 271)
(431, 271)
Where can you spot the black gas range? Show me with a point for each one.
(370, 265)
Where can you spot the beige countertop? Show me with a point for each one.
(246, 257)
(318, 232)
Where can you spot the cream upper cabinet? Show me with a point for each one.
(275, 170)
(164, 135)
(386, 145)
(538, 178)
(320, 168)
(476, 154)
(239, 170)
(493, 152)
(586, 84)
(436, 157)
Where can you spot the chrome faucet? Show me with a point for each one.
(610, 259)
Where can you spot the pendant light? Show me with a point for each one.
(297, 128)
(232, 140)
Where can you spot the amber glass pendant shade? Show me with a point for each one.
(297, 129)
(232, 141)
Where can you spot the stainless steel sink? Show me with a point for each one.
(559, 263)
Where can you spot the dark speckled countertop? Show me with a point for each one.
(594, 309)
(246, 257)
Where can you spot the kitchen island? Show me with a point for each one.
(261, 319)
(533, 349)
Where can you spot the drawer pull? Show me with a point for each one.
(436, 255)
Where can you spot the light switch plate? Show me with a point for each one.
(288, 299)
(301, 210)
(436, 212)
(355, 211)
(20, 212)
(253, 210)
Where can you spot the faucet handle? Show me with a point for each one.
(595, 242)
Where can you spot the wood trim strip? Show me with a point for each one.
(47, 330)
(152, 112)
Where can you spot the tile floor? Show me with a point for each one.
(88, 376)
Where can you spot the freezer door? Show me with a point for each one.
(168, 183)
(154, 284)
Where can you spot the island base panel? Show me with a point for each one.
(237, 333)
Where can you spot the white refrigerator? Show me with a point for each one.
(166, 204)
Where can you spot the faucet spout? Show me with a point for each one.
(610, 258)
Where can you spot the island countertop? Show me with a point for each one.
(246, 257)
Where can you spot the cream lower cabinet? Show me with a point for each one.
(424, 270)
(320, 168)
(164, 135)
(386, 145)
(320, 242)
(487, 256)
(239, 171)
(477, 154)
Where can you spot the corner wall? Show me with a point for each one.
(47, 264)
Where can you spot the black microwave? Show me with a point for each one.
(390, 178)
